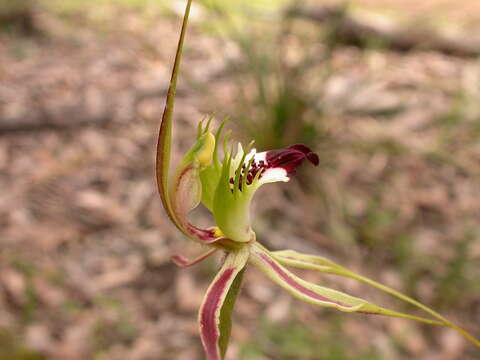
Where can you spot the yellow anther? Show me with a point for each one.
(217, 232)
(205, 155)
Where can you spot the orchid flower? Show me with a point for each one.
(226, 188)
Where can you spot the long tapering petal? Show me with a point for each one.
(181, 261)
(319, 295)
(185, 192)
(318, 263)
(165, 132)
(215, 312)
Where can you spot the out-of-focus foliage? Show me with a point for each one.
(12, 349)
(293, 341)
(8, 6)
(274, 104)
(17, 15)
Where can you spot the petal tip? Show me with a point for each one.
(313, 158)
(309, 154)
(291, 157)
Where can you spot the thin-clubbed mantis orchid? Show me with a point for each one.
(226, 188)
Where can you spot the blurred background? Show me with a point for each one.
(388, 94)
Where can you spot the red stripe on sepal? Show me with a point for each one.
(295, 284)
(214, 314)
(209, 329)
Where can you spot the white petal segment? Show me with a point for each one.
(276, 165)
(273, 175)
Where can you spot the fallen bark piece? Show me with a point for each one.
(360, 32)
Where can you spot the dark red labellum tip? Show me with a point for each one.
(311, 156)
(291, 157)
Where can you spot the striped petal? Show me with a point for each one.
(305, 261)
(184, 262)
(319, 295)
(318, 263)
(216, 309)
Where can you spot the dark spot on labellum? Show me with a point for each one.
(288, 159)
